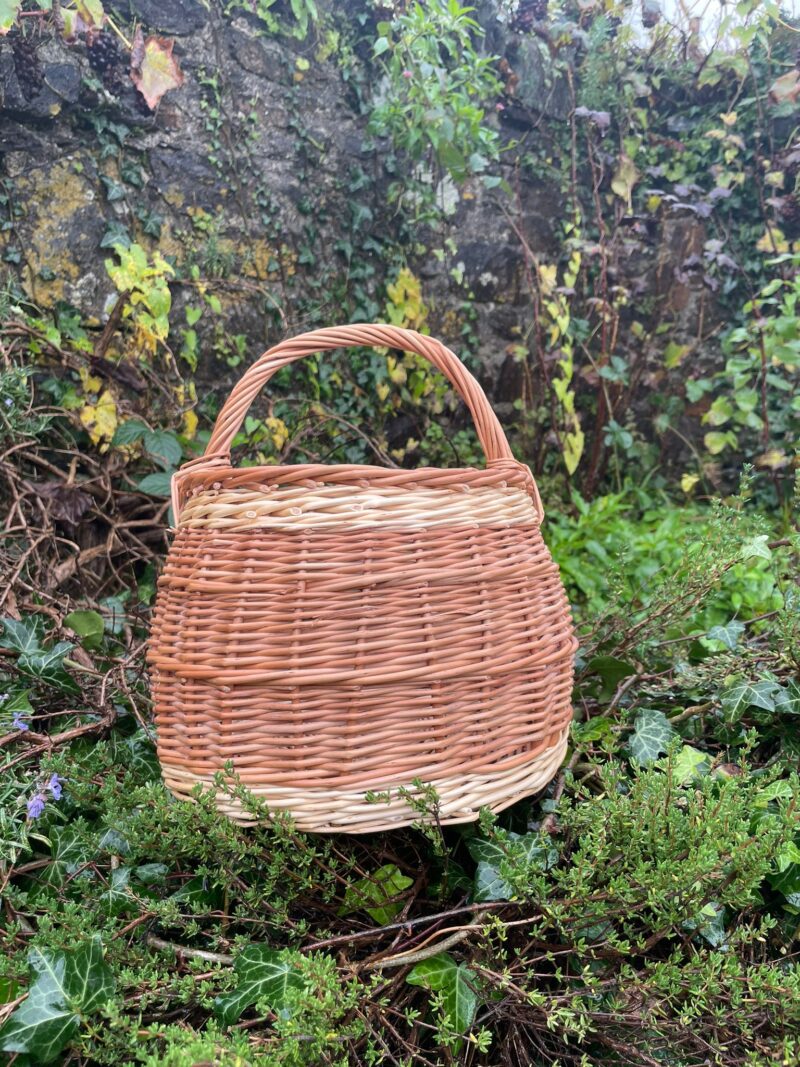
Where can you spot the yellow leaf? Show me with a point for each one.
(772, 240)
(90, 382)
(547, 278)
(625, 177)
(573, 449)
(689, 481)
(100, 419)
(405, 306)
(773, 459)
(729, 118)
(189, 424)
(279, 431)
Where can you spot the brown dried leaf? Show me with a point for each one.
(787, 87)
(66, 503)
(154, 69)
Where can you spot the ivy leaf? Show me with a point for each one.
(489, 884)
(154, 70)
(100, 419)
(136, 753)
(375, 895)
(740, 696)
(118, 898)
(9, 9)
(69, 852)
(710, 924)
(688, 764)
(757, 547)
(787, 699)
(493, 855)
(716, 441)
(652, 733)
(197, 892)
(728, 634)
(88, 625)
(624, 179)
(787, 882)
(47, 665)
(66, 986)
(611, 670)
(455, 982)
(264, 974)
(151, 873)
(17, 703)
(594, 729)
(21, 635)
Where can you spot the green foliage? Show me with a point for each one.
(144, 289)
(304, 14)
(17, 420)
(432, 102)
(263, 975)
(65, 988)
(376, 894)
(457, 999)
(756, 410)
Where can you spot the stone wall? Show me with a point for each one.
(258, 170)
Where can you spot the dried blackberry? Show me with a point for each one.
(27, 66)
(790, 214)
(107, 60)
(528, 12)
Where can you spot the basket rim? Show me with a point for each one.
(200, 471)
(207, 473)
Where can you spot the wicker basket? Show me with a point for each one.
(336, 631)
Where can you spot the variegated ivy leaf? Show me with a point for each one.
(69, 851)
(728, 634)
(495, 855)
(21, 635)
(787, 699)
(456, 984)
(740, 696)
(66, 987)
(264, 974)
(652, 733)
(758, 547)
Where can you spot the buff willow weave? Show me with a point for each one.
(337, 631)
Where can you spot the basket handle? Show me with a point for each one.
(490, 432)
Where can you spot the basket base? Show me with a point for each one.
(348, 811)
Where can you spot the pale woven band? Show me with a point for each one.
(350, 811)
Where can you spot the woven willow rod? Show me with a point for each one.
(334, 631)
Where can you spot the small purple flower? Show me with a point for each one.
(18, 723)
(499, 107)
(54, 785)
(407, 74)
(35, 806)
